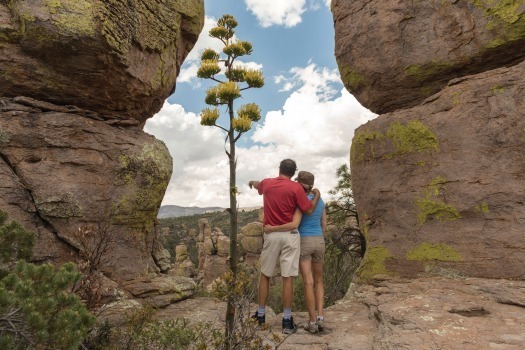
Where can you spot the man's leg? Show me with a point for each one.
(269, 256)
(287, 295)
(308, 281)
(289, 267)
(264, 290)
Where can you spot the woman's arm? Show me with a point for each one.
(323, 221)
(286, 227)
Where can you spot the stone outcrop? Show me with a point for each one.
(394, 53)
(213, 252)
(251, 238)
(183, 264)
(117, 58)
(438, 181)
(430, 313)
(77, 81)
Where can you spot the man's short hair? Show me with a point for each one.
(287, 167)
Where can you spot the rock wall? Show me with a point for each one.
(77, 81)
(438, 179)
(118, 58)
(394, 53)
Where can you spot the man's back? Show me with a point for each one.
(281, 197)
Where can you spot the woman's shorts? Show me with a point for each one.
(312, 248)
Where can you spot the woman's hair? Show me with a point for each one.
(287, 167)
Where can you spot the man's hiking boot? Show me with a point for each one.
(288, 326)
(311, 327)
(260, 319)
(320, 324)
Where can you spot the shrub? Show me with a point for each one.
(37, 308)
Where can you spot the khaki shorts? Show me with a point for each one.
(282, 247)
(312, 248)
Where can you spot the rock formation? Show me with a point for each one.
(78, 79)
(116, 58)
(183, 264)
(438, 179)
(393, 54)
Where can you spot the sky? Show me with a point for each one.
(307, 115)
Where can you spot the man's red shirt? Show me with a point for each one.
(281, 196)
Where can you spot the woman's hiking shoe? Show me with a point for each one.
(320, 323)
(260, 319)
(311, 327)
(288, 326)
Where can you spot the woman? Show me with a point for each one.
(311, 229)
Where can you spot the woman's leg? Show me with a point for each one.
(308, 280)
(317, 268)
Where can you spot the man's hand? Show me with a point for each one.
(268, 228)
(253, 184)
(316, 192)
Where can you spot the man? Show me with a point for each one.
(281, 196)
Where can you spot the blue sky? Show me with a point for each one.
(307, 114)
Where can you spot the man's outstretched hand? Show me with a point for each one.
(253, 184)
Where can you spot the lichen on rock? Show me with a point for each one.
(438, 251)
(373, 264)
(432, 206)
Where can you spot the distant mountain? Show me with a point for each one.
(174, 211)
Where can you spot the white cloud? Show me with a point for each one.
(314, 127)
(282, 13)
(187, 73)
(197, 153)
(248, 65)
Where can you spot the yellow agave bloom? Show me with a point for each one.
(209, 116)
(208, 69)
(242, 124)
(228, 91)
(250, 111)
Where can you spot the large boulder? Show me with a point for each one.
(392, 54)
(118, 58)
(78, 79)
(441, 186)
(62, 171)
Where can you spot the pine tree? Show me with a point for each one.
(224, 94)
(37, 308)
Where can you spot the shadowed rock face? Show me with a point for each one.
(393, 54)
(438, 181)
(118, 58)
(440, 185)
(78, 79)
(61, 171)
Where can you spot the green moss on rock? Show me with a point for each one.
(374, 264)
(497, 89)
(412, 137)
(363, 142)
(146, 177)
(352, 78)
(73, 17)
(427, 71)
(4, 137)
(428, 251)
(483, 208)
(506, 20)
(431, 206)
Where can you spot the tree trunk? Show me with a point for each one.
(230, 310)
